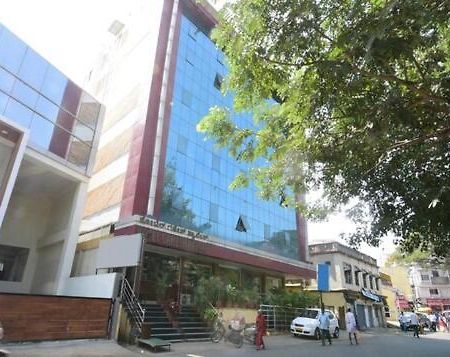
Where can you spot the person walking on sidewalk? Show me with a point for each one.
(324, 325)
(415, 324)
(260, 330)
(350, 324)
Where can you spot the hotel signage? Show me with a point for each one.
(172, 228)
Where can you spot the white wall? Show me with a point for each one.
(42, 222)
(85, 262)
(101, 286)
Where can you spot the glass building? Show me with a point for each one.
(62, 119)
(157, 178)
(196, 193)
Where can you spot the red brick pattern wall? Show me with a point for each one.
(39, 317)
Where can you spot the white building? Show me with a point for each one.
(48, 139)
(354, 282)
(431, 287)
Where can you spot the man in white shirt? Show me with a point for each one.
(324, 325)
(350, 324)
(415, 324)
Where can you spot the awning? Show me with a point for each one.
(438, 302)
(402, 303)
(370, 295)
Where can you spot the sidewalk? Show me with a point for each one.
(109, 348)
(72, 348)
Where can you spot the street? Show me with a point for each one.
(383, 343)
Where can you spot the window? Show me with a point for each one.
(190, 57)
(213, 212)
(434, 292)
(377, 286)
(242, 225)
(218, 81)
(12, 262)
(424, 277)
(33, 69)
(6, 81)
(12, 51)
(193, 33)
(186, 98)
(387, 312)
(371, 281)
(216, 162)
(365, 280)
(357, 276)
(266, 231)
(182, 144)
(348, 274)
(434, 273)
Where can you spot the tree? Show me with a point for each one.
(417, 256)
(349, 97)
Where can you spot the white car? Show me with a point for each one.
(307, 324)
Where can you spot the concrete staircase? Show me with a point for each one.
(191, 327)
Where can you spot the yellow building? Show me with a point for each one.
(395, 285)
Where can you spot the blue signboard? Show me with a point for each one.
(323, 277)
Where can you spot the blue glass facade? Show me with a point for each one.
(197, 176)
(61, 118)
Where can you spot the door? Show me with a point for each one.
(342, 317)
(370, 309)
(360, 316)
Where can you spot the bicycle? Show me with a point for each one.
(233, 335)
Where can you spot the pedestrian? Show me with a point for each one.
(350, 324)
(415, 324)
(261, 330)
(444, 322)
(324, 325)
(401, 321)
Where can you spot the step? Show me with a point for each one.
(159, 324)
(204, 333)
(168, 336)
(197, 329)
(156, 318)
(193, 324)
(164, 330)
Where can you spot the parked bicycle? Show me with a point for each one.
(232, 333)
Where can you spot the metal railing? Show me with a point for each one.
(279, 318)
(135, 311)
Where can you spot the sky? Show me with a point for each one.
(69, 33)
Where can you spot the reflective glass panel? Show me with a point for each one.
(47, 109)
(202, 174)
(6, 80)
(25, 94)
(78, 153)
(33, 69)
(54, 85)
(3, 102)
(18, 113)
(83, 132)
(41, 131)
(12, 51)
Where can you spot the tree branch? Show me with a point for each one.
(437, 136)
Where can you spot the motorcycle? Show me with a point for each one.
(233, 335)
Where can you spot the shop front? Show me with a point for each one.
(175, 260)
(438, 304)
(368, 307)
